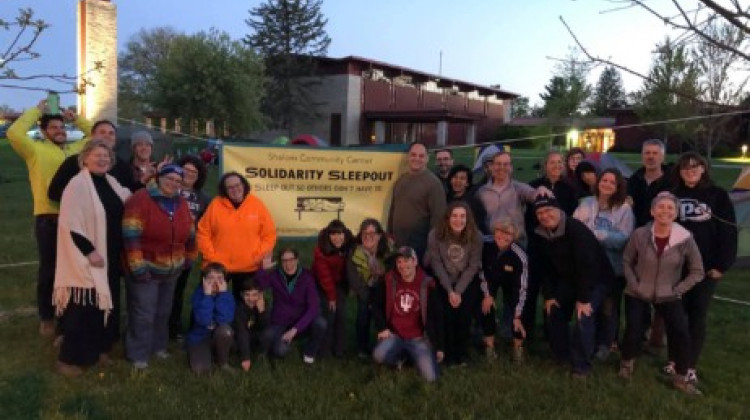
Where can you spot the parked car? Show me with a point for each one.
(72, 131)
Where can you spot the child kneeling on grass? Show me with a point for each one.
(211, 336)
(250, 319)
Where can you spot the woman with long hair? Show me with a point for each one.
(454, 253)
(707, 212)
(329, 267)
(611, 218)
(366, 265)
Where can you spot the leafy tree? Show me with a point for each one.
(289, 34)
(137, 67)
(669, 91)
(568, 91)
(209, 76)
(520, 107)
(609, 92)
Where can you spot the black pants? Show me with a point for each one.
(86, 336)
(608, 317)
(334, 342)
(175, 317)
(202, 354)
(696, 302)
(510, 301)
(112, 330)
(458, 322)
(675, 321)
(45, 230)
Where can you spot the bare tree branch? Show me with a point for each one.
(726, 14)
(690, 26)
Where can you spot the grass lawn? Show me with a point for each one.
(30, 389)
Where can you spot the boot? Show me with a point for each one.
(681, 383)
(626, 369)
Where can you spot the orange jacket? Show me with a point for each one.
(237, 238)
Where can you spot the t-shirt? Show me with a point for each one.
(406, 319)
(661, 243)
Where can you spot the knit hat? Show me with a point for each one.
(545, 201)
(406, 252)
(171, 169)
(141, 137)
(586, 166)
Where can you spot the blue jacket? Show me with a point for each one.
(209, 311)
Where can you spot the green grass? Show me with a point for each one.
(30, 389)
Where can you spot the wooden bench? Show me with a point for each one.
(319, 205)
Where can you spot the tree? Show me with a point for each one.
(567, 93)
(717, 66)
(520, 107)
(23, 32)
(289, 35)
(668, 90)
(137, 66)
(208, 76)
(609, 92)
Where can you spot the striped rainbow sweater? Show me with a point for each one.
(158, 243)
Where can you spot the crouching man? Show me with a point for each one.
(576, 275)
(408, 317)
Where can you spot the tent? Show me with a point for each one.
(309, 140)
(740, 196)
(607, 160)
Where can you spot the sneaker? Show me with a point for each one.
(682, 384)
(308, 360)
(490, 354)
(228, 369)
(162, 355)
(602, 353)
(518, 355)
(140, 365)
(669, 369)
(71, 371)
(692, 376)
(626, 369)
(47, 328)
(58, 341)
(104, 360)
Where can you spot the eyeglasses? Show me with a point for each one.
(174, 179)
(370, 234)
(284, 260)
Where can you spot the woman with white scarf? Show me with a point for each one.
(87, 273)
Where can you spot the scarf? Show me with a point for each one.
(82, 212)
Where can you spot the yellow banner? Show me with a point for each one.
(305, 188)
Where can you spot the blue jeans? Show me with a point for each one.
(273, 344)
(149, 306)
(391, 350)
(578, 347)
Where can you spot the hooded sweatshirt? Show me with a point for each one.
(612, 227)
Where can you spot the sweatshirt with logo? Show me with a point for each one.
(708, 213)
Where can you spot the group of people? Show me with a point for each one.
(581, 237)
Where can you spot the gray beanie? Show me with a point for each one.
(141, 136)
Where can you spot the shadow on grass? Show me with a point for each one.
(83, 406)
(21, 396)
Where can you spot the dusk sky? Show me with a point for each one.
(504, 42)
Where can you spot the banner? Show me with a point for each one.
(305, 188)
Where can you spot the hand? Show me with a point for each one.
(267, 262)
(69, 115)
(147, 172)
(261, 304)
(222, 285)
(42, 105)
(246, 364)
(518, 327)
(439, 356)
(289, 335)
(714, 274)
(487, 303)
(332, 306)
(454, 299)
(600, 234)
(208, 286)
(166, 160)
(542, 190)
(385, 334)
(548, 304)
(95, 260)
(583, 309)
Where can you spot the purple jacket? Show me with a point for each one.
(295, 305)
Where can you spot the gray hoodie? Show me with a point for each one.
(660, 279)
(612, 227)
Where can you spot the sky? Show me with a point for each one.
(505, 42)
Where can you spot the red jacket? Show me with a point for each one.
(329, 270)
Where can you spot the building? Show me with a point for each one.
(362, 101)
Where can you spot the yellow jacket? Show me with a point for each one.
(43, 157)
